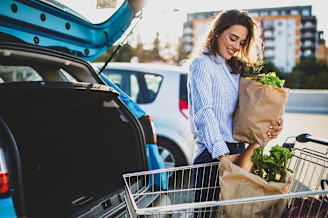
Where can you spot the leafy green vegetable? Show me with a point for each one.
(271, 167)
(250, 70)
(270, 79)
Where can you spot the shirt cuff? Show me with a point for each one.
(220, 149)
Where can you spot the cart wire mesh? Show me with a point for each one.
(306, 195)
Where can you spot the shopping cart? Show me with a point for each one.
(307, 196)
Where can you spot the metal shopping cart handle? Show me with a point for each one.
(308, 138)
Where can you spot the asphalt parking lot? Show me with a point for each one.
(298, 123)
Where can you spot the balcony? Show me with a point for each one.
(309, 18)
(308, 46)
(308, 27)
(268, 25)
(308, 36)
(303, 56)
(269, 54)
(269, 46)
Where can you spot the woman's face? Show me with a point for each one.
(231, 41)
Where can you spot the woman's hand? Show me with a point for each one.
(275, 130)
(225, 158)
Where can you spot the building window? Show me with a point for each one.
(268, 24)
(264, 13)
(201, 17)
(254, 14)
(187, 30)
(294, 12)
(268, 33)
(307, 52)
(283, 12)
(188, 47)
(187, 39)
(190, 18)
(274, 13)
(306, 12)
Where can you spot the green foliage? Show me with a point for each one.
(4, 75)
(269, 166)
(269, 79)
(258, 73)
(251, 70)
(308, 74)
(124, 55)
(270, 67)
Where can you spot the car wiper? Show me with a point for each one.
(120, 44)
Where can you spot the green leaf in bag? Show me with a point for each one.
(269, 79)
(271, 167)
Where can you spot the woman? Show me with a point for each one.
(213, 85)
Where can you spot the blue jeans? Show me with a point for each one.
(208, 179)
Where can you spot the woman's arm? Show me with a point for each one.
(203, 111)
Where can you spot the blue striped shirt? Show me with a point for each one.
(213, 96)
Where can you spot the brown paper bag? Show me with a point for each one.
(259, 106)
(236, 183)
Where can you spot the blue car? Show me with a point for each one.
(67, 134)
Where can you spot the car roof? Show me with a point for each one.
(145, 67)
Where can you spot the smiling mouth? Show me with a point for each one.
(231, 52)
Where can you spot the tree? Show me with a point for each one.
(156, 48)
(270, 67)
(138, 51)
(308, 74)
(123, 55)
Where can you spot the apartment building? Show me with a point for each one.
(289, 33)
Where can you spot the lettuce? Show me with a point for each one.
(269, 79)
(271, 167)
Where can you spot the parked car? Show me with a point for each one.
(66, 134)
(161, 90)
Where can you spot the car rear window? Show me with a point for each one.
(10, 73)
(140, 87)
(18, 74)
(183, 87)
(153, 83)
(125, 80)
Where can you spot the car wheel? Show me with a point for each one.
(170, 153)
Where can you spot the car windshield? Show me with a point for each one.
(92, 11)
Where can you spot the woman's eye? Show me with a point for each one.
(232, 39)
(242, 44)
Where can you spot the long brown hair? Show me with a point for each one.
(223, 21)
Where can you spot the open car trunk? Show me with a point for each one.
(75, 141)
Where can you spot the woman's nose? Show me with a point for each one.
(236, 46)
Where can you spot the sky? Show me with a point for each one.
(167, 16)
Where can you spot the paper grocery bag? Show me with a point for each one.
(259, 106)
(237, 183)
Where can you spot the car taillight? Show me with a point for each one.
(4, 177)
(153, 129)
(184, 107)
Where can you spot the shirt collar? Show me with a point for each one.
(216, 57)
(219, 59)
(226, 68)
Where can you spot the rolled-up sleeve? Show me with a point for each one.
(203, 111)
